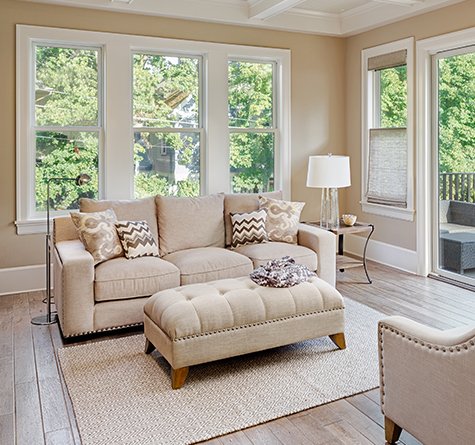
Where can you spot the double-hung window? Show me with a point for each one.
(167, 124)
(66, 127)
(252, 129)
(387, 186)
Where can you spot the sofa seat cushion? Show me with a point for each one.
(121, 278)
(260, 254)
(209, 263)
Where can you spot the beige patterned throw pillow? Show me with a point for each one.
(282, 219)
(98, 234)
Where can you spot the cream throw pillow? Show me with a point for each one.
(282, 219)
(98, 234)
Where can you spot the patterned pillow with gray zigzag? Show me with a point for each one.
(248, 228)
(136, 238)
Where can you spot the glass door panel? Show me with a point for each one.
(454, 244)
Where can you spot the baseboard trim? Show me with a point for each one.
(387, 254)
(15, 280)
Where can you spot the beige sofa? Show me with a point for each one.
(193, 235)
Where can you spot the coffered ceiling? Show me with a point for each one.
(330, 17)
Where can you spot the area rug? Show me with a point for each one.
(122, 396)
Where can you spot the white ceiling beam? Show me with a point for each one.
(264, 9)
(400, 2)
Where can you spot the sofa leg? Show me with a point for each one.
(339, 340)
(149, 347)
(179, 376)
(392, 431)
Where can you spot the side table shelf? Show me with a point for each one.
(345, 262)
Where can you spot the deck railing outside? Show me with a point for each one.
(457, 186)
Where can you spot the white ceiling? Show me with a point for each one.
(330, 17)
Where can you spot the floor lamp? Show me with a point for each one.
(329, 172)
(50, 317)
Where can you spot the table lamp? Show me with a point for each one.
(329, 172)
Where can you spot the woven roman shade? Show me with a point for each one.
(389, 60)
(387, 173)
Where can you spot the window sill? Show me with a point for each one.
(390, 212)
(30, 227)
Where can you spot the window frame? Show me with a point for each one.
(369, 101)
(274, 128)
(200, 129)
(116, 178)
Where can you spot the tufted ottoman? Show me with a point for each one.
(200, 323)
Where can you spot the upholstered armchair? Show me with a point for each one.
(427, 382)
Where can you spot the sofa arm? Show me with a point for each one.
(427, 380)
(74, 287)
(323, 243)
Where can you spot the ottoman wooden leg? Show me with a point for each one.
(392, 431)
(149, 347)
(179, 376)
(339, 340)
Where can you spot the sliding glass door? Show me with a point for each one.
(454, 164)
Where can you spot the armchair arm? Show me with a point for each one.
(74, 287)
(428, 380)
(323, 243)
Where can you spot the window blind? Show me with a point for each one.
(387, 172)
(389, 60)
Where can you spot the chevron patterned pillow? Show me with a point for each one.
(137, 239)
(248, 228)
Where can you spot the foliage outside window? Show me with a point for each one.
(252, 127)
(166, 119)
(456, 86)
(67, 120)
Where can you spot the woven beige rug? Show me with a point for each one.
(122, 396)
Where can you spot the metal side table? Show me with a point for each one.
(345, 262)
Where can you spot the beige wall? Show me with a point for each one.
(317, 95)
(442, 21)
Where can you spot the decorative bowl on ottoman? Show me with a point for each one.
(199, 323)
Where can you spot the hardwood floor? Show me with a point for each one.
(35, 407)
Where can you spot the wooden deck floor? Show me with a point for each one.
(35, 408)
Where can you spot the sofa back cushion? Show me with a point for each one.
(242, 203)
(186, 223)
(126, 210)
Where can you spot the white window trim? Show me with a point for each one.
(425, 163)
(117, 124)
(367, 97)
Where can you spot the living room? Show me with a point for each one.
(317, 63)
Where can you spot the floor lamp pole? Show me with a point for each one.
(52, 317)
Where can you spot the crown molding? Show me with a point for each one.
(284, 15)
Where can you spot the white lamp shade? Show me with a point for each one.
(328, 171)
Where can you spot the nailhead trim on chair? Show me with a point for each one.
(259, 323)
(451, 349)
(114, 328)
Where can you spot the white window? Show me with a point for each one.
(145, 115)
(253, 134)
(167, 122)
(387, 133)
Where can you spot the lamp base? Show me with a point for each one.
(42, 320)
(329, 216)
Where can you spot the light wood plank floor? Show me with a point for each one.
(35, 408)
